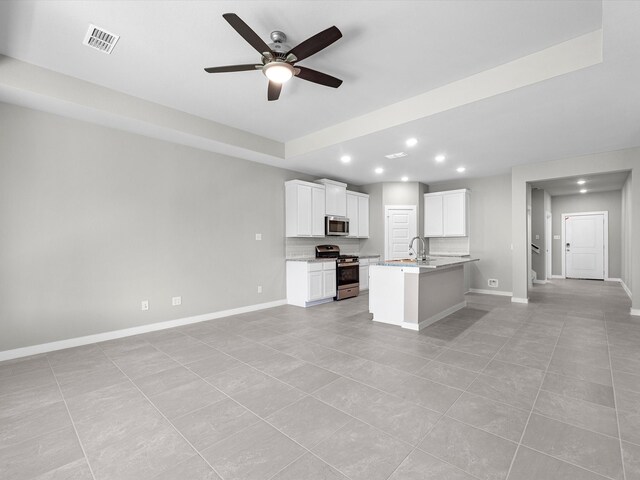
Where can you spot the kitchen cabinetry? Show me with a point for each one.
(310, 283)
(364, 271)
(446, 214)
(358, 214)
(304, 204)
(336, 197)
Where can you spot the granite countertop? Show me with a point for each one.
(314, 259)
(310, 259)
(431, 262)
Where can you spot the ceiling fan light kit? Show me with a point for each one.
(279, 59)
(279, 72)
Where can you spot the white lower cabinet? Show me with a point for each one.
(364, 271)
(310, 283)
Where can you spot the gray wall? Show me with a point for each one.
(390, 193)
(537, 229)
(94, 220)
(490, 228)
(625, 250)
(590, 202)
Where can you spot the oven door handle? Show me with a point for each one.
(349, 264)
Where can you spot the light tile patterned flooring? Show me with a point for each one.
(545, 391)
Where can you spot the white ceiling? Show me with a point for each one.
(592, 184)
(390, 51)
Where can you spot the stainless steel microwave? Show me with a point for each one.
(336, 226)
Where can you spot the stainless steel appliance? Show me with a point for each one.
(336, 226)
(347, 271)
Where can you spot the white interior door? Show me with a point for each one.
(400, 228)
(584, 246)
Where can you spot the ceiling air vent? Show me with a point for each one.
(396, 155)
(100, 39)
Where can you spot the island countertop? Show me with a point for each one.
(431, 263)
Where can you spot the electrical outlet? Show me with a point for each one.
(259, 288)
(493, 282)
(175, 301)
(144, 305)
(537, 237)
(258, 236)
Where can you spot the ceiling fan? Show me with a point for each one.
(279, 59)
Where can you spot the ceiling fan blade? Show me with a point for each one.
(233, 68)
(318, 77)
(316, 43)
(245, 32)
(273, 92)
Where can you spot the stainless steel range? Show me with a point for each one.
(347, 271)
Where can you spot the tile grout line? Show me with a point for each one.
(445, 414)
(84, 452)
(241, 405)
(615, 403)
(533, 405)
(162, 414)
(463, 391)
(311, 395)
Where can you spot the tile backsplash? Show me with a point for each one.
(306, 247)
(449, 245)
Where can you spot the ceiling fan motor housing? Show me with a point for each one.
(279, 45)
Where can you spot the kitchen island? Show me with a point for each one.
(414, 294)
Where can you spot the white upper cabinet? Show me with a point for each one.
(433, 226)
(446, 214)
(336, 197)
(358, 214)
(304, 205)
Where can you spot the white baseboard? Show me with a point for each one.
(612, 279)
(491, 292)
(428, 321)
(626, 289)
(541, 282)
(635, 312)
(519, 300)
(557, 276)
(127, 332)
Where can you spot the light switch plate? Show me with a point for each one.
(258, 236)
(556, 237)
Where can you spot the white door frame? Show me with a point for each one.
(548, 243)
(386, 223)
(606, 240)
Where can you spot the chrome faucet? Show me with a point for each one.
(423, 257)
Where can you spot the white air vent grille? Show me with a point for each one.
(100, 39)
(396, 155)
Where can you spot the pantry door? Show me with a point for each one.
(400, 227)
(585, 245)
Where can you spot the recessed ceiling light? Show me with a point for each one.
(345, 159)
(440, 158)
(405, 179)
(412, 142)
(584, 190)
(581, 182)
(379, 170)
(396, 155)
(460, 169)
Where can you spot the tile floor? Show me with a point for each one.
(544, 391)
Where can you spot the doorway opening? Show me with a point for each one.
(585, 252)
